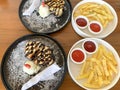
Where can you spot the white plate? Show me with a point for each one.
(107, 31)
(74, 69)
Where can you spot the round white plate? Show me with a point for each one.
(74, 69)
(107, 31)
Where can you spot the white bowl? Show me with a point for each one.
(85, 18)
(84, 58)
(107, 31)
(98, 23)
(96, 46)
(74, 69)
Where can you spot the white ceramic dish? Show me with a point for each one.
(98, 23)
(74, 69)
(107, 31)
(85, 18)
(81, 50)
(96, 46)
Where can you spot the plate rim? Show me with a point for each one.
(16, 42)
(26, 26)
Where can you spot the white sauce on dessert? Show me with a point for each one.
(44, 10)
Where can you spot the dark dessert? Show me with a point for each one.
(39, 53)
(14, 60)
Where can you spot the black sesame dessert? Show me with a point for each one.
(39, 53)
(29, 56)
(39, 56)
(47, 17)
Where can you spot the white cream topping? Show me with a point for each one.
(32, 68)
(44, 10)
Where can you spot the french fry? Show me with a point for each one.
(91, 66)
(100, 81)
(95, 80)
(110, 77)
(106, 22)
(90, 6)
(106, 82)
(110, 56)
(110, 72)
(105, 67)
(99, 69)
(91, 85)
(99, 53)
(87, 66)
(83, 68)
(106, 9)
(90, 77)
(83, 76)
(112, 67)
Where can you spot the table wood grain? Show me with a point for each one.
(11, 29)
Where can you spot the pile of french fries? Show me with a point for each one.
(99, 69)
(95, 11)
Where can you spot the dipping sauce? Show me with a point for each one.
(95, 27)
(81, 22)
(78, 56)
(27, 65)
(89, 46)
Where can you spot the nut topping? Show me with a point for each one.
(56, 6)
(39, 53)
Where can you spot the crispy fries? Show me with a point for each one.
(94, 11)
(99, 69)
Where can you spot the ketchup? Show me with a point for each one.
(78, 55)
(27, 66)
(89, 46)
(43, 3)
(95, 27)
(81, 22)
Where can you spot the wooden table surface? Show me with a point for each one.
(11, 29)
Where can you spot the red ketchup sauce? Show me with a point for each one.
(89, 46)
(27, 66)
(81, 22)
(95, 27)
(78, 55)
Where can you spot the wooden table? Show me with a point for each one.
(11, 29)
